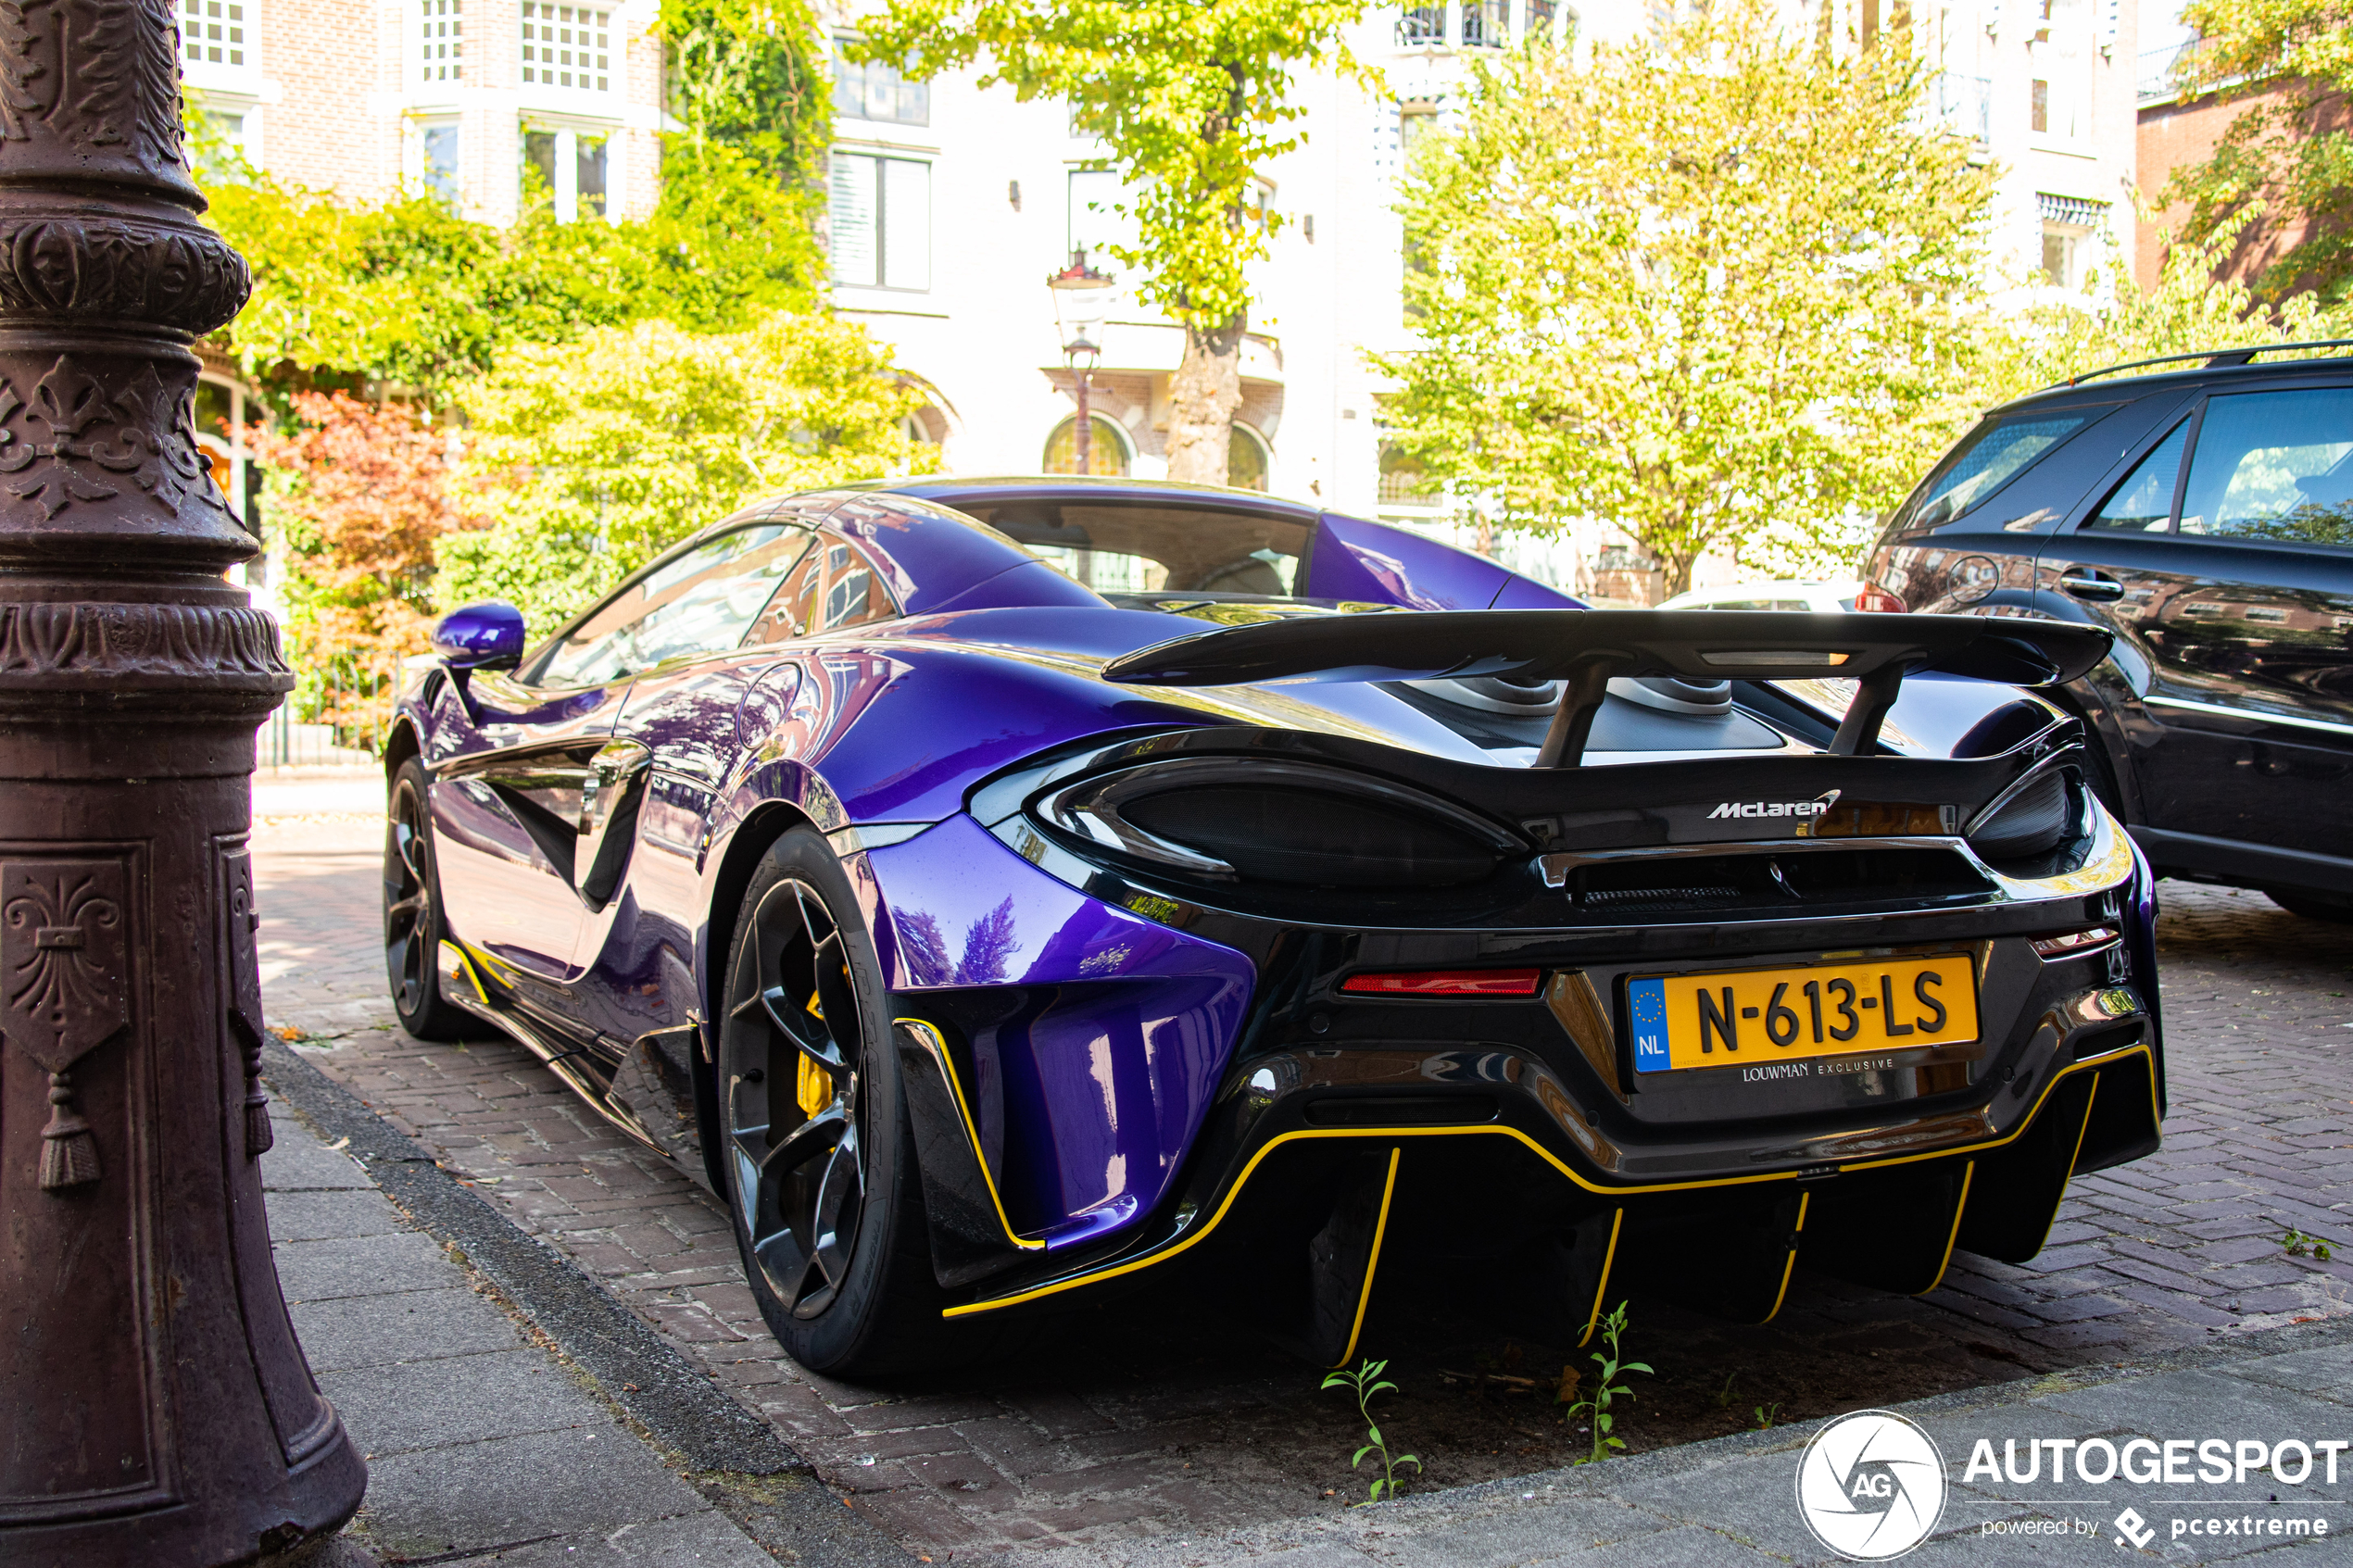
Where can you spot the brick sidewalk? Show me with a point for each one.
(1144, 1422)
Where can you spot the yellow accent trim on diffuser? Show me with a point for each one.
(467, 963)
(2080, 1132)
(1055, 1288)
(956, 1087)
(1601, 1287)
(1380, 1229)
(1789, 1264)
(1969, 1173)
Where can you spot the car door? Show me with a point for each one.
(525, 816)
(688, 717)
(2223, 562)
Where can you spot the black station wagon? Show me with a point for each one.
(2205, 515)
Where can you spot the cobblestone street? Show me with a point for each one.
(1146, 1421)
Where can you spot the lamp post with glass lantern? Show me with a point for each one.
(1082, 298)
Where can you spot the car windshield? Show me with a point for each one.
(1153, 549)
(1985, 461)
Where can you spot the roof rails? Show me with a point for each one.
(2216, 359)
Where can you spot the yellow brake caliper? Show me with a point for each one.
(814, 1087)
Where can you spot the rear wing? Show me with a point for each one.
(1589, 648)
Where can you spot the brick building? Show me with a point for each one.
(2180, 130)
(471, 98)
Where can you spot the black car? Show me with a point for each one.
(2205, 515)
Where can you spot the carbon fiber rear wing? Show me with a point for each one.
(1589, 647)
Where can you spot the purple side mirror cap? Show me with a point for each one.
(483, 636)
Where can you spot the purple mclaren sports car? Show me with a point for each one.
(1008, 893)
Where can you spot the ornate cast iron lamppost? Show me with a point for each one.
(1082, 298)
(155, 1409)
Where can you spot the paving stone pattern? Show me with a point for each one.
(480, 1444)
(1147, 1423)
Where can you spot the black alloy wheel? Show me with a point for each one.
(819, 1158)
(414, 928)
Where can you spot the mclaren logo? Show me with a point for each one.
(1791, 808)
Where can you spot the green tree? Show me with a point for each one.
(407, 293)
(751, 75)
(362, 496)
(1696, 286)
(2289, 154)
(1192, 102)
(591, 457)
(2194, 306)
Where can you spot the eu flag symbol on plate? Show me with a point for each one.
(1646, 1005)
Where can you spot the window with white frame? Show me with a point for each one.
(875, 90)
(566, 46)
(212, 33)
(437, 159)
(2071, 227)
(568, 170)
(444, 39)
(881, 214)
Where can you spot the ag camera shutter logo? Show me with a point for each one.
(1870, 1485)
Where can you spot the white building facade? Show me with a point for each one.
(951, 204)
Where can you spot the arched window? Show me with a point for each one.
(1109, 457)
(1246, 458)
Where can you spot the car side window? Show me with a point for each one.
(2144, 503)
(2273, 465)
(1985, 461)
(699, 602)
(835, 586)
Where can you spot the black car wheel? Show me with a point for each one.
(819, 1158)
(2313, 906)
(414, 928)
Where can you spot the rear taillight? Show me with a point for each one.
(1879, 600)
(1445, 983)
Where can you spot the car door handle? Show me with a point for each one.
(2091, 587)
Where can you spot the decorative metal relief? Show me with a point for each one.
(99, 444)
(94, 75)
(243, 918)
(62, 967)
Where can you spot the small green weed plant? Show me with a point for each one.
(1607, 1391)
(2298, 1245)
(1365, 1382)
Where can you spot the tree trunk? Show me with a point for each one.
(1202, 396)
(1677, 575)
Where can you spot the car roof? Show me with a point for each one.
(2101, 386)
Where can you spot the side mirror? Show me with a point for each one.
(483, 636)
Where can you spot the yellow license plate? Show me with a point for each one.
(1743, 1018)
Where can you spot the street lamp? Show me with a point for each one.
(1082, 298)
(157, 1409)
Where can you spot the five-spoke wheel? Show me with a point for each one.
(814, 1141)
(792, 1100)
(412, 913)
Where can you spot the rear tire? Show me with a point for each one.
(2333, 906)
(818, 1152)
(414, 925)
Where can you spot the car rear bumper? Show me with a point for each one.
(1339, 1126)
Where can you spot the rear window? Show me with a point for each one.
(1987, 459)
(1153, 549)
